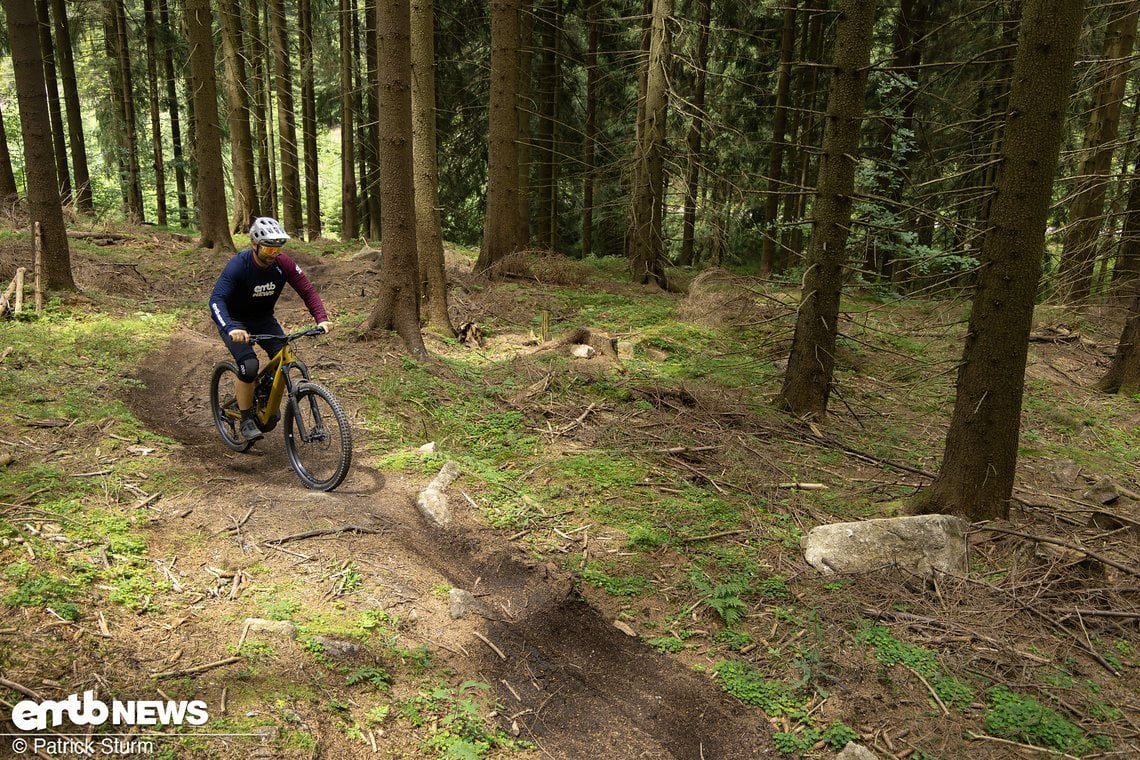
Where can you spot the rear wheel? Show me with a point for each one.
(223, 405)
(317, 437)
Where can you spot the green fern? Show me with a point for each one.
(723, 598)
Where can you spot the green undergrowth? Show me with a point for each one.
(70, 522)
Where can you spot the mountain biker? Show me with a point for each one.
(243, 301)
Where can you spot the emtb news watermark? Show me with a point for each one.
(39, 716)
(48, 715)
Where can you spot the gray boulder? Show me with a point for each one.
(921, 544)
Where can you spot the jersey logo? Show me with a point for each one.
(267, 289)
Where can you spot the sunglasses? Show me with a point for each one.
(269, 250)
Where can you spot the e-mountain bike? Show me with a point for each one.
(318, 439)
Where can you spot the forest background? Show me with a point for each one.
(674, 136)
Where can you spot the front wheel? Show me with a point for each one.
(223, 406)
(317, 437)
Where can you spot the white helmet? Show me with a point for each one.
(266, 230)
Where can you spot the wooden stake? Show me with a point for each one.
(19, 290)
(39, 270)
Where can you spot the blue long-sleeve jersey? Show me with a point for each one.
(246, 293)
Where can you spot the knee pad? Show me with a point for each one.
(247, 368)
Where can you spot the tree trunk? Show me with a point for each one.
(241, 139)
(260, 108)
(501, 228)
(978, 466)
(546, 169)
(776, 153)
(429, 237)
(349, 219)
(800, 160)
(51, 85)
(155, 112)
(1078, 258)
(523, 106)
(647, 244)
(371, 153)
(398, 304)
(9, 193)
(590, 138)
(39, 158)
(213, 216)
(695, 139)
(807, 382)
(172, 109)
(1127, 265)
(1123, 375)
(292, 216)
(127, 113)
(309, 124)
(82, 189)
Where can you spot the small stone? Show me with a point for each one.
(624, 628)
(427, 448)
(460, 603)
(281, 629)
(336, 649)
(855, 751)
(582, 351)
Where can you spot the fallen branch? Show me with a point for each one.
(711, 536)
(1065, 544)
(20, 688)
(1100, 613)
(197, 668)
(933, 693)
(488, 642)
(1032, 747)
(318, 533)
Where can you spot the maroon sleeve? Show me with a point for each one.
(303, 286)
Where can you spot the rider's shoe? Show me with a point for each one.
(249, 429)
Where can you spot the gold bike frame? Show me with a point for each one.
(279, 365)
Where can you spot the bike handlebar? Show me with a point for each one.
(306, 333)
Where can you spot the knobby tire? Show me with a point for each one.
(221, 399)
(321, 464)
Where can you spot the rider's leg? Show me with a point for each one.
(247, 364)
(243, 392)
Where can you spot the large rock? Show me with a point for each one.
(922, 544)
(432, 501)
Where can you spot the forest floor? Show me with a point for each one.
(629, 525)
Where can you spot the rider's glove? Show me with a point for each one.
(239, 336)
(326, 326)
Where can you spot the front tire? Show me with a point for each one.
(224, 408)
(318, 439)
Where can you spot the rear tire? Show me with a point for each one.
(223, 406)
(319, 442)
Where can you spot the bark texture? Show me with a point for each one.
(397, 305)
(501, 227)
(39, 157)
(213, 215)
(978, 466)
(811, 365)
(429, 235)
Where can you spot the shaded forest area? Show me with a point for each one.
(743, 91)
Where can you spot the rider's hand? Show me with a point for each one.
(326, 326)
(239, 336)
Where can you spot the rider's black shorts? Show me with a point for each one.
(244, 354)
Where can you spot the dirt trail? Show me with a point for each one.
(569, 679)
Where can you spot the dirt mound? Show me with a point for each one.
(718, 298)
(569, 679)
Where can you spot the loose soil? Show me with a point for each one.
(566, 677)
